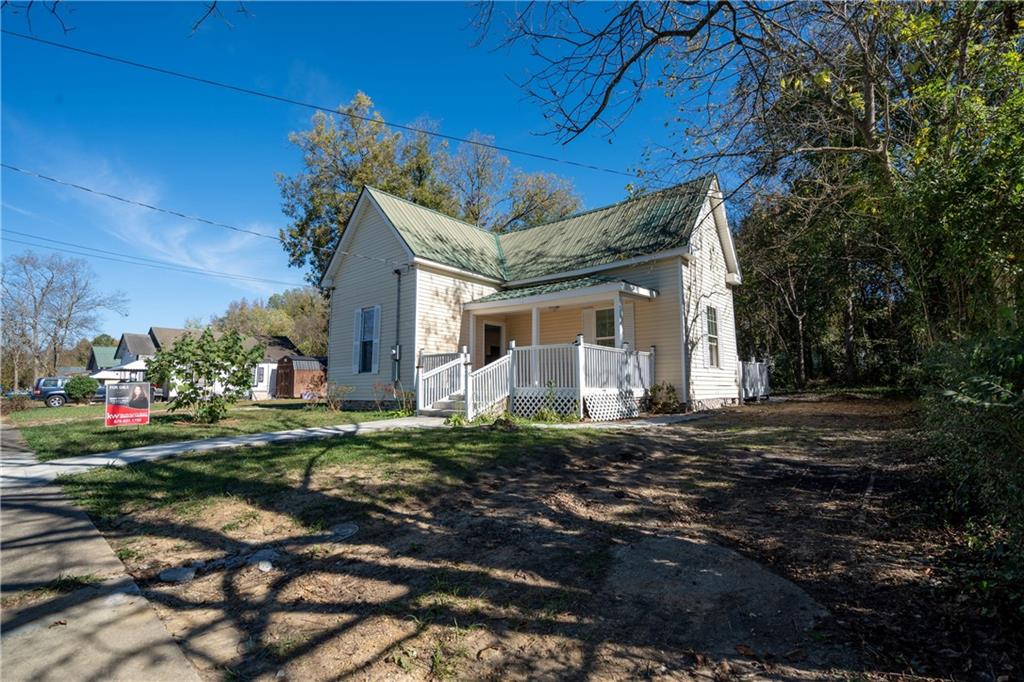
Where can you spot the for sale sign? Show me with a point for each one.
(127, 404)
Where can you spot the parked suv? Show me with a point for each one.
(51, 391)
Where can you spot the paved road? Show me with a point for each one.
(105, 631)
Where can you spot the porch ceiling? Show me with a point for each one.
(582, 290)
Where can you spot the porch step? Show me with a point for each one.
(459, 405)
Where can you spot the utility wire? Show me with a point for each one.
(136, 260)
(317, 107)
(180, 214)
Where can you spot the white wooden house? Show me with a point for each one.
(582, 314)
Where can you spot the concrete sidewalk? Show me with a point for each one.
(102, 631)
(18, 472)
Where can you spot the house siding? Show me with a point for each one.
(704, 281)
(365, 282)
(441, 325)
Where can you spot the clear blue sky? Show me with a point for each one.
(214, 153)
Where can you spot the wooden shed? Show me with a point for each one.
(298, 375)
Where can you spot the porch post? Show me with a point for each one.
(416, 380)
(535, 342)
(618, 320)
(581, 374)
(467, 382)
(511, 371)
(472, 336)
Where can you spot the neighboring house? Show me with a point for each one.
(70, 370)
(265, 374)
(134, 347)
(101, 357)
(621, 296)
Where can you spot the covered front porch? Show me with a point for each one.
(564, 348)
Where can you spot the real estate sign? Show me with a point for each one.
(127, 404)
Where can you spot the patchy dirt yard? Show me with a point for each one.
(785, 540)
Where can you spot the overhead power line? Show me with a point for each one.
(316, 107)
(91, 252)
(180, 214)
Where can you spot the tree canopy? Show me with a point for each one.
(344, 153)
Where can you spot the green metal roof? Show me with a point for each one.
(654, 222)
(547, 288)
(104, 356)
(438, 237)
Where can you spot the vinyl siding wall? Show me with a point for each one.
(441, 325)
(704, 282)
(361, 283)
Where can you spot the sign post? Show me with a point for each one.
(127, 404)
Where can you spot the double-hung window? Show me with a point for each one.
(712, 318)
(365, 349)
(604, 327)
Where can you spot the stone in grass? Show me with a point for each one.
(182, 574)
(343, 531)
(265, 566)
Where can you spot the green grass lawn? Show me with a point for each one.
(373, 468)
(54, 433)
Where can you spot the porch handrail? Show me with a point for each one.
(488, 386)
(440, 383)
(429, 361)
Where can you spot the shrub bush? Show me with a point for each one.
(16, 403)
(663, 399)
(81, 388)
(974, 411)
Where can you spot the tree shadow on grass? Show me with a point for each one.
(482, 553)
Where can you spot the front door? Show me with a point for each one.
(492, 343)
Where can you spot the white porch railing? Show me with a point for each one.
(429, 361)
(441, 382)
(565, 378)
(488, 386)
(619, 369)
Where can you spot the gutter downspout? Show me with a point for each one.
(396, 350)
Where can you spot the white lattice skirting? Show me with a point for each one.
(608, 406)
(527, 404)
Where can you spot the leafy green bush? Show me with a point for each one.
(974, 410)
(81, 388)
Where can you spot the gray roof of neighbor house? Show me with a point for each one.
(164, 337)
(137, 344)
(103, 357)
(276, 347)
(655, 222)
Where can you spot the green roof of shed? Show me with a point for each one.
(655, 222)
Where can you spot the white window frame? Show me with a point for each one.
(607, 341)
(358, 340)
(713, 337)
